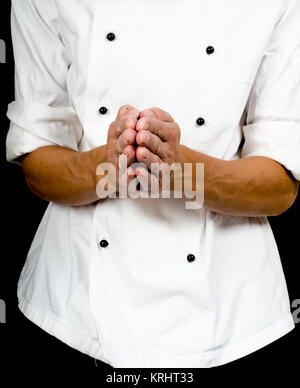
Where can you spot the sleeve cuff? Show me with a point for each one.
(277, 140)
(35, 125)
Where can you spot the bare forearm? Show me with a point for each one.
(62, 175)
(254, 186)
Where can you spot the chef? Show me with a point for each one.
(146, 282)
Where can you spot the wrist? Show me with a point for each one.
(89, 160)
(180, 154)
(191, 173)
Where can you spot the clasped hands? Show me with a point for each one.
(144, 137)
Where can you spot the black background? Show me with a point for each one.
(22, 342)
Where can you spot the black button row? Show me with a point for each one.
(209, 50)
(111, 36)
(200, 120)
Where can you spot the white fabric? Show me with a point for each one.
(34, 125)
(139, 302)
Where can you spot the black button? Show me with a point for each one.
(190, 258)
(103, 243)
(200, 121)
(210, 50)
(110, 36)
(103, 110)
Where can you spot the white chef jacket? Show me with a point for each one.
(138, 302)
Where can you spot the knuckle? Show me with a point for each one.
(127, 122)
(147, 121)
(159, 149)
(144, 137)
(171, 137)
(126, 133)
(125, 138)
(145, 112)
(159, 112)
(169, 153)
(174, 136)
(142, 153)
(120, 140)
(125, 109)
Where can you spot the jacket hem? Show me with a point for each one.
(62, 332)
(217, 357)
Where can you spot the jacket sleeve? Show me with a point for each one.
(41, 113)
(273, 110)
